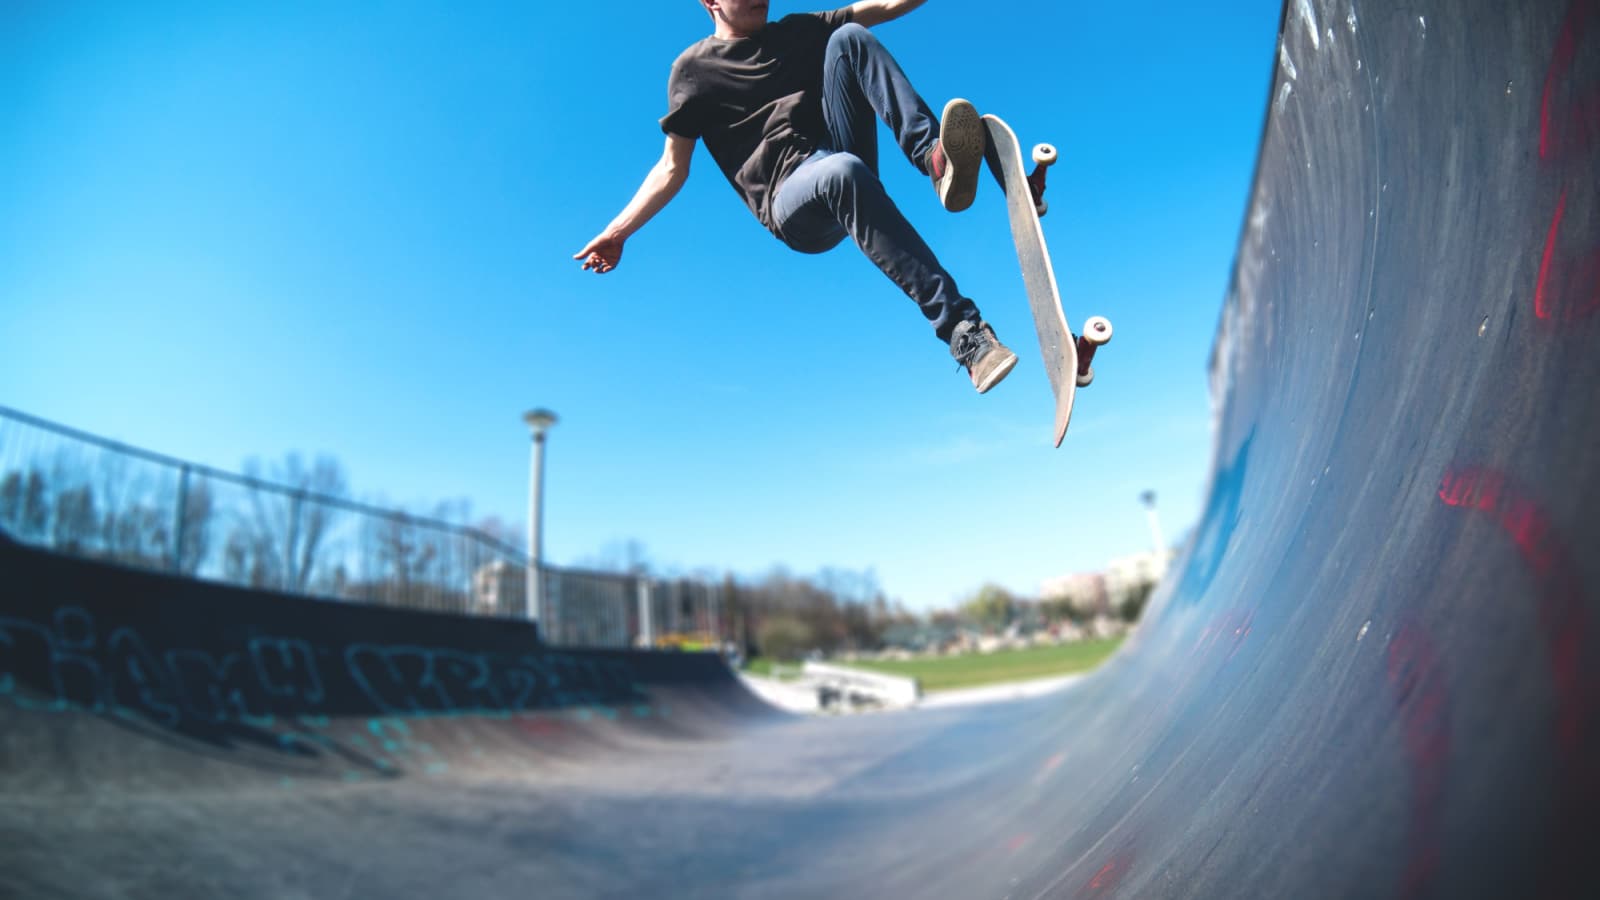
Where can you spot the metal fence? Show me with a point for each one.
(87, 496)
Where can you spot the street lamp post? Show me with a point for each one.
(539, 422)
(1149, 499)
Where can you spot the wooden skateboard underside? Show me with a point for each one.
(1056, 344)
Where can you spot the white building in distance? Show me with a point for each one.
(1085, 592)
(1099, 593)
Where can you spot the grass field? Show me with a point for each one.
(759, 666)
(944, 673)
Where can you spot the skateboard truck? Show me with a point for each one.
(1096, 331)
(1044, 156)
(1066, 356)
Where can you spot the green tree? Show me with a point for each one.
(991, 608)
(1133, 604)
(1057, 609)
(784, 638)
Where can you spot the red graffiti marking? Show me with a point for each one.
(1107, 879)
(1569, 123)
(1570, 282)
(1422, 697)
(1569, 114)
(1563, 617)
(1230, 628)
(1050, 765)
(540, 726)
(1541, 300)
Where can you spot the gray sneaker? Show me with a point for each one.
(953, 162)
(975, 347)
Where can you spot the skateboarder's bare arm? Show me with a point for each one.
(604, 252)
(875, 12)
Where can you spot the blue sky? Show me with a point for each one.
(241, 230)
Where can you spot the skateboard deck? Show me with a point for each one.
(1066, 359)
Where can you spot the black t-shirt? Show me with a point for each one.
(756, 101)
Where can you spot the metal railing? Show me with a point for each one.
(87, 496)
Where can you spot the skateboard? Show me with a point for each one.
(1067, 360)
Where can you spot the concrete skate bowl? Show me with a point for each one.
(1373, 672)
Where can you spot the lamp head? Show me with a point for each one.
(539, 421)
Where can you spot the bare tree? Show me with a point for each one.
(112, 486)
(73, 529)
(140, 535)
(198, 515)
(24, 504)
(627, 557)
(405, 558)
(246, 559)
(288, 528)
(836, 607)
(459, 555)
(503, 533)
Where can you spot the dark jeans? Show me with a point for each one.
(836, 193)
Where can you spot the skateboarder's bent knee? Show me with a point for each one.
(817, 205)
(853, 37)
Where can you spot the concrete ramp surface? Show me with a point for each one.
(1373, 673)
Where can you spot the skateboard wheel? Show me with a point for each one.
(1097, 330)
(1086, 378)
(1044, 154)
(1042, 207)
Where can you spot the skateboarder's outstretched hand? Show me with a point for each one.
(601, 254)
(604, 252)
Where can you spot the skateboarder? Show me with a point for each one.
(787, 110)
